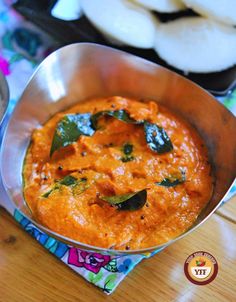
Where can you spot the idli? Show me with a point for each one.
(123, 21)
(221, 10)
(197, 44)
(163, 6)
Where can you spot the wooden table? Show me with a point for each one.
(28, 273)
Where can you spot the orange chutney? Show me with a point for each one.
(99, 159)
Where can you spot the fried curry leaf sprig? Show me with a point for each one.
(172, 181)
(72, 126)
(131, 201)
(157, 139)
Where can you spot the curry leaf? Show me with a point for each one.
(172, 181)
(70, 128)
(127, 158)
(121, 115)
(68, 181)
(46, 195)
(78, 185)
(127, 150)
(131, 201)
(157, 139)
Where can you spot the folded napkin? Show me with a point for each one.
(104, 270)
(22, 47)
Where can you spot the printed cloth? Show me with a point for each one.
(22, 47)
(104, 270)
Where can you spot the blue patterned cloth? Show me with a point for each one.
(103, 270)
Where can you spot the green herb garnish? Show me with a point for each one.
(78, 185)
(68, 181)
(46, 195)
(156, 138)
(127, 150)
(131, 201)
(127, 158)
(70, 128)
(120, 115)
(172, 181)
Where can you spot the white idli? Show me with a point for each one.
(67, 10)
(163, 6)
(123, 21)
(197, 44)
(221, 10)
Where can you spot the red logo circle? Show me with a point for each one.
(201, 268)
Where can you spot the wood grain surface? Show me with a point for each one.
(28, 273)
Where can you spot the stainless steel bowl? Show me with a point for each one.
(80, 71)
(4, 98)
